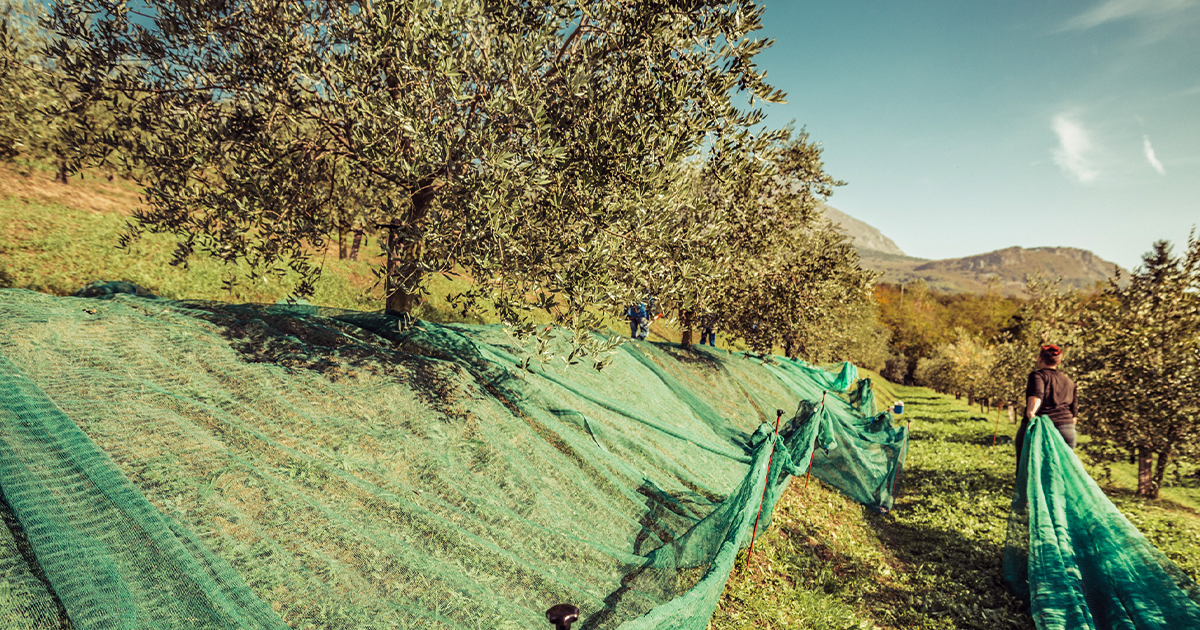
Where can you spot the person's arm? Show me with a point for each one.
(1034, 392)
(1032, 404)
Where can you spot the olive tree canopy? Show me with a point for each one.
(1141, 366)
(530, 144)
(766, 240)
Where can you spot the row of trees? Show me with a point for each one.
(988, 354)
(569, 157)
(1134, 351)
(923, 323)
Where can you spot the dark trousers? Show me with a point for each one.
(708, 336)
(1067, 431)
(639, 327)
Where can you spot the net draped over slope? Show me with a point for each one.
(1076, 559)
(226, 466)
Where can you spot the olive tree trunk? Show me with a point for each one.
(1150, 481)
(1145, 461)
(358, 237)
(406, 247)
(685, 319)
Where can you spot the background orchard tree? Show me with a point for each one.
(1142, 366)
(798, 294)
(1008, 373)
(779, 269)
(24, 90)
(917, 321)
(960, 367)
(40, 120)
(1052, 314)
(527, 144)
(847, 330)
(751, 203)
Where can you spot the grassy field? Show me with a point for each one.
(56, 239)
(933, 562)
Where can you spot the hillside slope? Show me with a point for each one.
(825, 562)
(330, 461)
(864, 236)
(352, 475)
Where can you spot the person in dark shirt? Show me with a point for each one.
(1050, 393)
(707, 334)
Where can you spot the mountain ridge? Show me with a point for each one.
(1003, 269)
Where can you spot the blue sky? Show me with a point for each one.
(964, 127)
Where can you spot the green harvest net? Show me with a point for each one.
(1076, 559)
(204, 465)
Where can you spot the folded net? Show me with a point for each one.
(1076, 559)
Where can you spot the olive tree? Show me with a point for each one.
(530, 145)
(1052, 314)
(756, 208)
(798, 293)
(35, 102)
(21, 87)
(1141, 368)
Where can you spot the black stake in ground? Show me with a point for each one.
(562, 616)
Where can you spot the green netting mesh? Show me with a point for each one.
(112, 558)
(25, 598)
(353, 476)
(1076, 559)
(867, 458)
(863, 399)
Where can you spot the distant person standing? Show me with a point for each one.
(652, 315)
(639, 325)
(1049, 393)
(707, 334)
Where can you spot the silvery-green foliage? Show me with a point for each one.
(535, 146)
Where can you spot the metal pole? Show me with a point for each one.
(997, 431)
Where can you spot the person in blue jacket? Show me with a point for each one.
(639, 327)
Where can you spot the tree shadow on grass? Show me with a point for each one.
(950, 574)
(688, 356)
(919, 593)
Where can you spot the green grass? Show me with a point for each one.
(56, 243)
(56, 239)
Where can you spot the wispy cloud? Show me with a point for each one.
(1074, 145)
(1114, 10)
(1149, 151)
